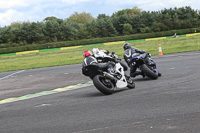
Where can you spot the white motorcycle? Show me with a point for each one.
(108, 79)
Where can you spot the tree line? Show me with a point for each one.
(83, 26)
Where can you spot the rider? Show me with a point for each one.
(89, 59)
(128, 52)
(99, 54)
(102, 55)
(105, 56)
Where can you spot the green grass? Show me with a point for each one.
(74, 56)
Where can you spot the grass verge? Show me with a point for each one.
(74, 56)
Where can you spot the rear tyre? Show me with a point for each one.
(149, 72)
(103, 84)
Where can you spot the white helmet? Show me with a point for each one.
(95, 51)
(98, 53)
(105, 51)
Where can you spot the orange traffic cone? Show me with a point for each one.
(160, 50)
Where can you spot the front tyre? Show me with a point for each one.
(149, 72)
(103, 84)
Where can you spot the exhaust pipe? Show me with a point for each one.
(109, 76)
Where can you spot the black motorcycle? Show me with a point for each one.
(148, 68)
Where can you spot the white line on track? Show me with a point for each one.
(11, 74)
(42, 105)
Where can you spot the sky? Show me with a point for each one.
(37, 10)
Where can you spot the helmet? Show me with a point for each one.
(95, 51)
(106, 51)
(126, 46)
(87, 53)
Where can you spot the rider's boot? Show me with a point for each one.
(159, 74)
(127, 76)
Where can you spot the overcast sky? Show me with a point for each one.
(37, 10)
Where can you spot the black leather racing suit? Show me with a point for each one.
(128, 57)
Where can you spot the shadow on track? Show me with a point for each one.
(138, 79)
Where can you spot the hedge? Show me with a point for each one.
(95, 41)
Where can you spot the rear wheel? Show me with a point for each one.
(150, 73)
(103, 84)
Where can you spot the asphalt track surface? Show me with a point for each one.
(170, 104)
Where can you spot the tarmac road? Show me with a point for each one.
(170, 104)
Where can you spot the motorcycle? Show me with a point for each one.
(149, 70)
(105, 81)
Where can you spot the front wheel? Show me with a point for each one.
(103, 84)
(149, 72)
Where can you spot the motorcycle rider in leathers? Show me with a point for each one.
(105, 55)
(128, 52)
